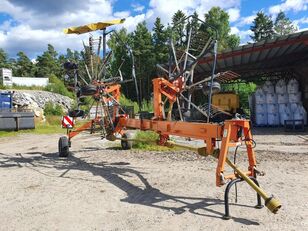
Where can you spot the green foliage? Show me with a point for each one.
(24, 66)
(143, 50)
(146, 140)
(243, 90)
(145, 105)
(179, 27)
(233, 41)
(283, 25)
(57, 86)
(4, 62)
(127, 102)
(48, 63)
(219, 19)
(21, 87)
(86, 104)
(160, 38)
(53, 110)
(262, 27)
(120, 53)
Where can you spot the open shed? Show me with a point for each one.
(273, 59)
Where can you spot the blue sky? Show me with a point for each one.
(29, 25)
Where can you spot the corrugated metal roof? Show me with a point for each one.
(255, 59)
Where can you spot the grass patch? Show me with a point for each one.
(146, 140)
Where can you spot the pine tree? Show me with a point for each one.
(48, 63)
(179, 28)
(24, 66)
(4, 63)
(283, 25)
(262, 27)
(120, 55)
(160, 39)
(144, 58)
(219, 19)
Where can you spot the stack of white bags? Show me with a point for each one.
(275, 104)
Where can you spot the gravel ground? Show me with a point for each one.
(101, 187)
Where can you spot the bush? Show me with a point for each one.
(127, 102)
(57, 86)
(51, 109)
(243, 90)
(53, 120)
(145, 105)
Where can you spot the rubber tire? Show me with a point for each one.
(76, 113)
(88, 90)
(63, 146)
(125, 144)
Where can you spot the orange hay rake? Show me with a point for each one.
(168, 92)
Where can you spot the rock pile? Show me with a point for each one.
(36, 100)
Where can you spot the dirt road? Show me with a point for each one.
(100, 187)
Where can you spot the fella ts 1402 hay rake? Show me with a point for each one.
(171, 90)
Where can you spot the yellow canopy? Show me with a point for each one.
(92, 27)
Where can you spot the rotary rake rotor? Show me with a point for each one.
(188, 44)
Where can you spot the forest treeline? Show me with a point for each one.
(149, 47)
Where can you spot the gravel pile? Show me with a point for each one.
(38, 99)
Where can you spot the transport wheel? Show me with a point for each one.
(63, 146)
(76, 113)
(127, 144)
(88, 90)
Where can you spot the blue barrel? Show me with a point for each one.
(5, 100)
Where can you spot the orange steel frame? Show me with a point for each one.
(114, 91)
(231, 133)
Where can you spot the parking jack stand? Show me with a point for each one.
(230, 184)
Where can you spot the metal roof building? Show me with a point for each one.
(282, 57)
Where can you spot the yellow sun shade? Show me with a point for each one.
(92, 27)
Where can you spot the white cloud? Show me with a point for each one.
(137, 7)
(49, 15)
(243, 34)
(289, 5)
(303, 20)
(131, 22)
(36, 23)
(234, 30)
(122, 14)
(6, 25)
(36, 26)
(246, 20)
(234, 14)
(34, 41)
(165, 9)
